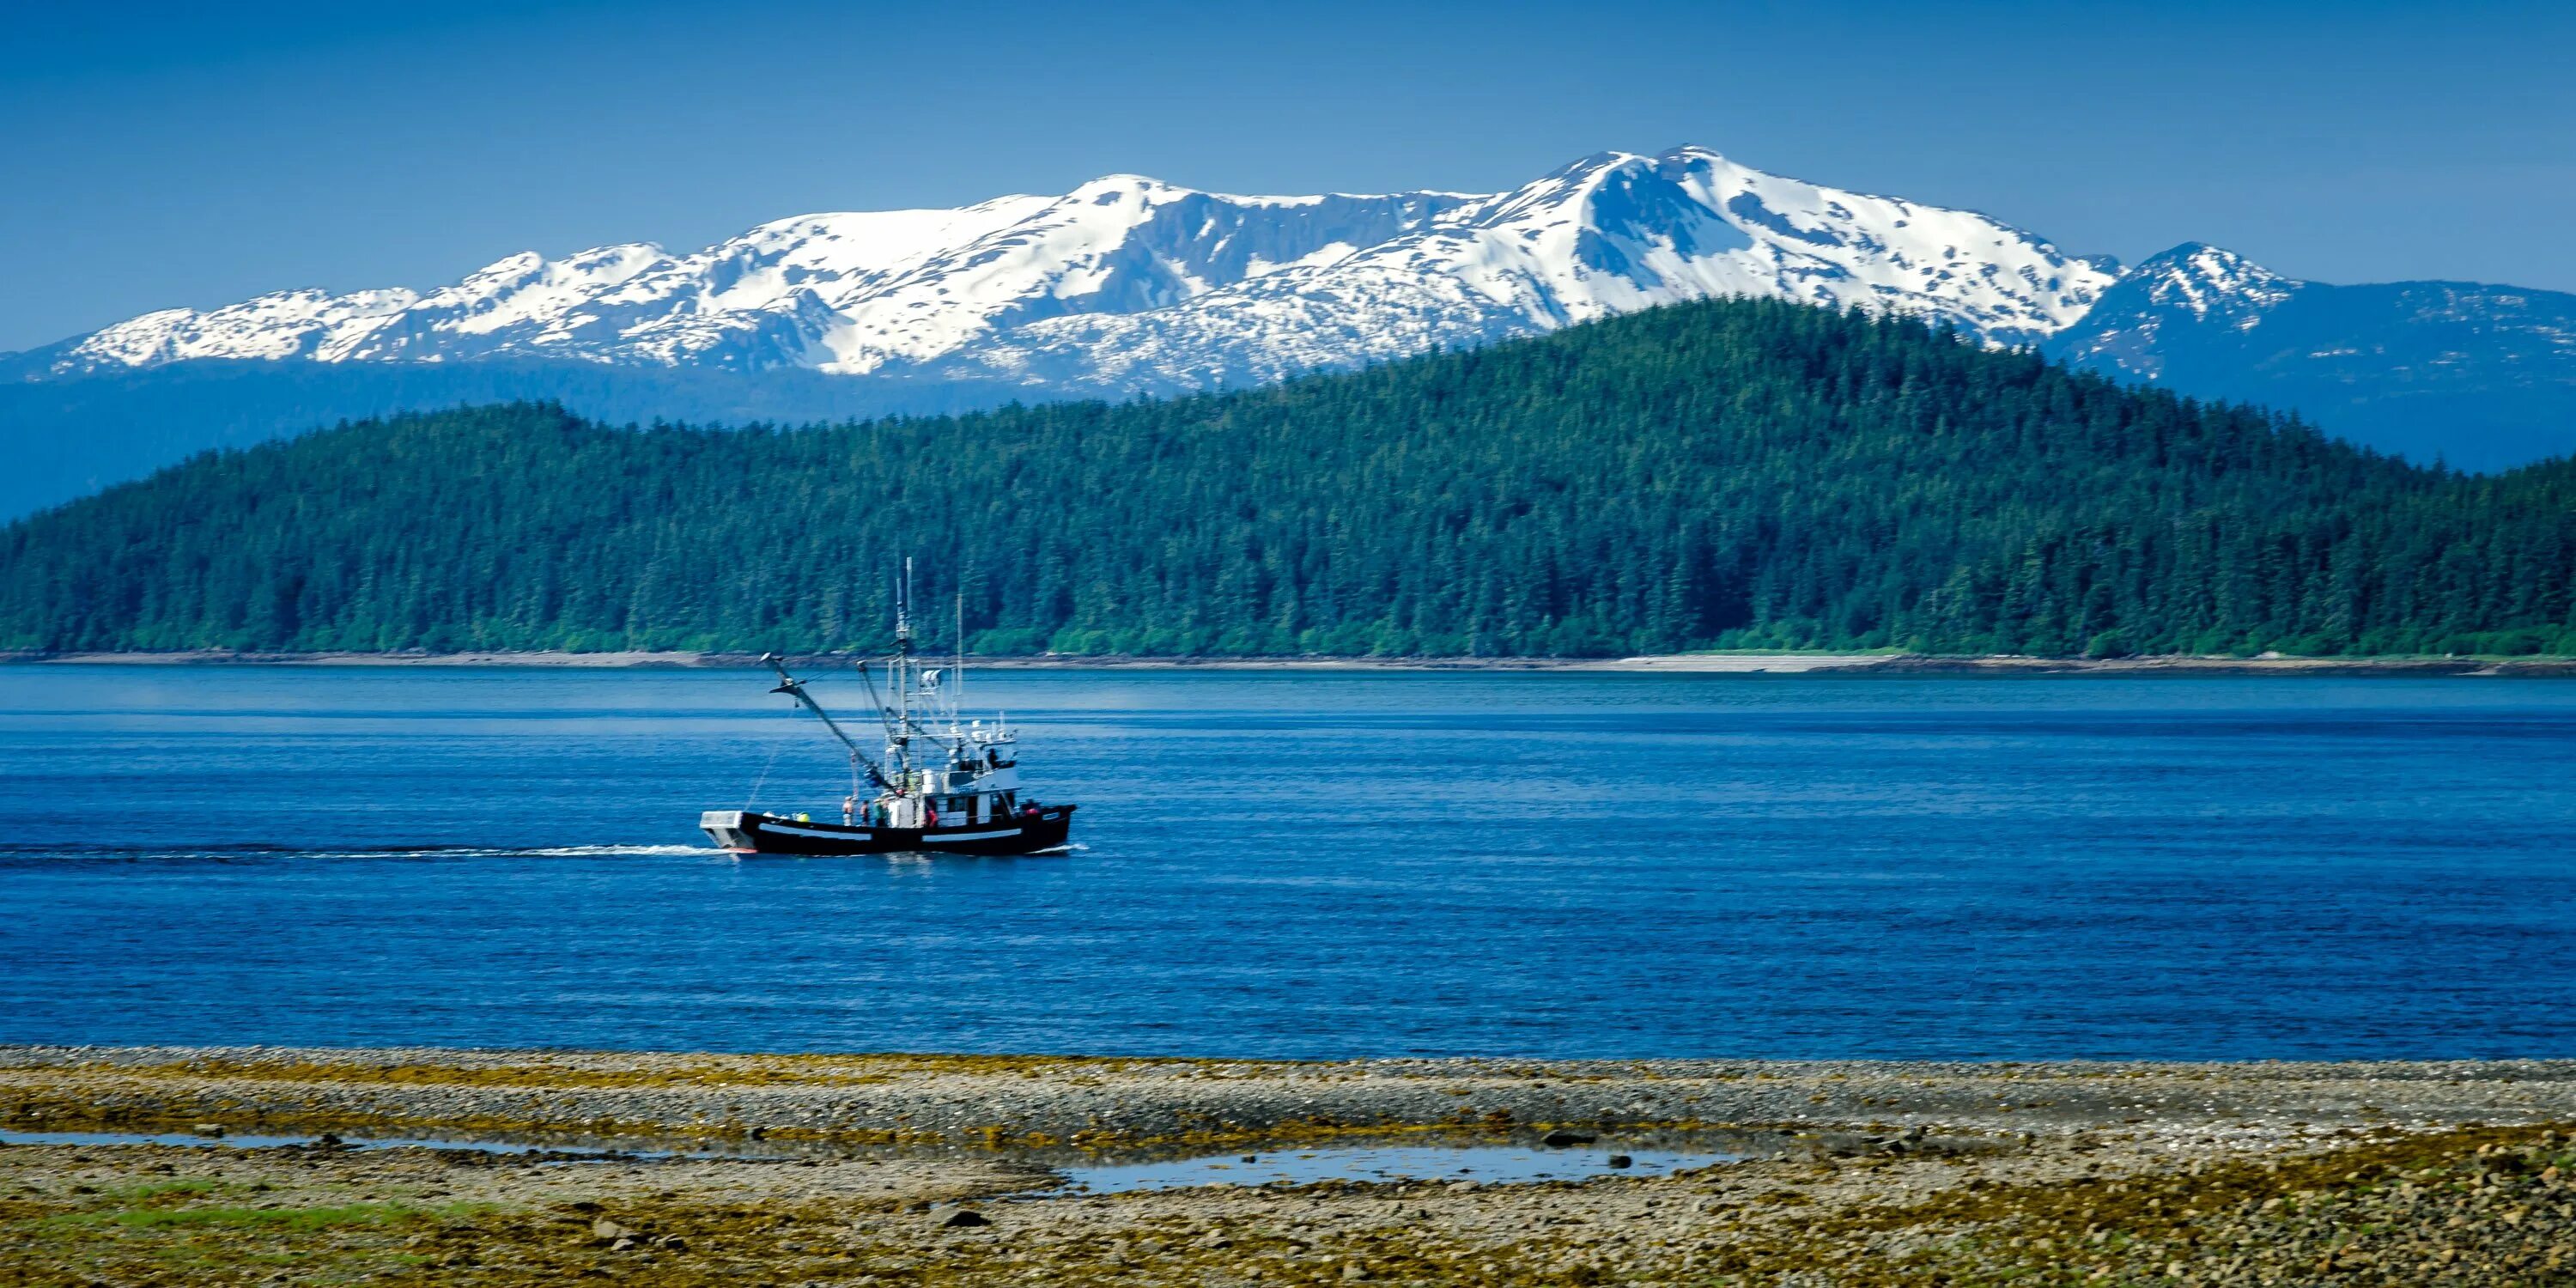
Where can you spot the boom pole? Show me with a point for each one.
(795, 688)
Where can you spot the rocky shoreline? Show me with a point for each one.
(941, 1170)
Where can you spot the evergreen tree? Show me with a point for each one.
(1726, 474)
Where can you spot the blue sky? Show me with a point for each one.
(157, 155)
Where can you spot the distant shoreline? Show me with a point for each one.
(1715, 663)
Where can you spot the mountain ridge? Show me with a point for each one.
(2476, 375)
(1130, 286)
(1008, 289)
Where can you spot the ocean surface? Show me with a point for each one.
(1308, 865)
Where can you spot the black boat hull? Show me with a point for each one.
(751, 832)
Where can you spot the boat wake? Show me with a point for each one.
(222, 853)
(607, 851)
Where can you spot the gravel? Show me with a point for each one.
(852, 1169)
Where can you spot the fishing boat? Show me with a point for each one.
(941, 787)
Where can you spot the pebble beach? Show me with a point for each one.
(264, 1166)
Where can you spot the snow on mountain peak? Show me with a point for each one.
(1113, 187)
(2192, 286)
(2198, 278)
(1610, 233)
(1129, 283)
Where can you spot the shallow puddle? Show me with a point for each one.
(1485, 1164)
(1647, 1154)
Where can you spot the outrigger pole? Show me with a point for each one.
(795, 688)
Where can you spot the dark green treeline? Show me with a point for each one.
(1730, 474)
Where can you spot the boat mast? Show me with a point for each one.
(903, 674)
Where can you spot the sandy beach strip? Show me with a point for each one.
(1711, 663)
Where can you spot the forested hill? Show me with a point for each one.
(1728, 474)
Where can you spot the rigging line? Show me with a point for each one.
(763, 780)
(795, 688)
(885, 714)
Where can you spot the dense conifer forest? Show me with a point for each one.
(1728, 474)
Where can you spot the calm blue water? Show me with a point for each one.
(1309, 865)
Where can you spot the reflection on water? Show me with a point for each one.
(1489, 1164)
(1484, 1164)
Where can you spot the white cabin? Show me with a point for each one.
(976, 781)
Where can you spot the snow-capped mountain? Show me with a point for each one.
(2191, 288)
(1608, 234)
(1129, 284)
(2480, 376)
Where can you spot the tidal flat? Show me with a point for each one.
(543, 1166)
